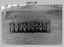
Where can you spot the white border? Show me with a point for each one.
(23, 2)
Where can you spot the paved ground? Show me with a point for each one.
(54, 37)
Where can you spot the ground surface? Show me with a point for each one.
(54, 37)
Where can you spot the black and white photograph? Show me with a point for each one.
(32, 24)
